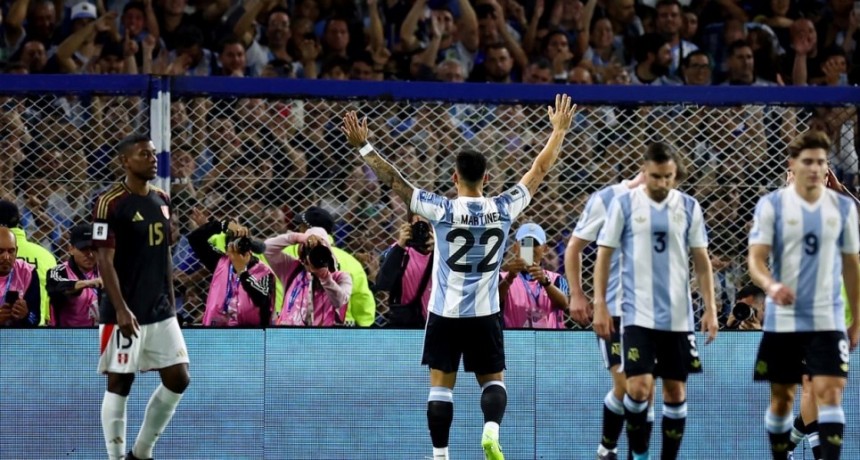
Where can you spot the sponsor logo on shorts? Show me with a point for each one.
(761, 368)
(615, 349)
(633, 354)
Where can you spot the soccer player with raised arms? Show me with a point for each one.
(137, 318)
(464, 318)
(811, 236)
(656, 228)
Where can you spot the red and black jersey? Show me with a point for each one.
(137, 227)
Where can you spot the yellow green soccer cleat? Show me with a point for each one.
(492, 449)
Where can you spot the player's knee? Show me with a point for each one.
(120, 384)
(674, 392)
(829, 395)
(178, 383)
(638, 389)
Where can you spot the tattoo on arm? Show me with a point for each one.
(390, 176)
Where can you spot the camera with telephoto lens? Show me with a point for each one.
(319, 256)
(742, 312)
(420, 235)
(245, 245)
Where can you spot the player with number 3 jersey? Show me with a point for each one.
(464, 319)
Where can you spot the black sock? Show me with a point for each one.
(674, 420)
(440, 414)
(636, 415)
(831, 424)
(494, 400)
(779, 432)
(613, 421)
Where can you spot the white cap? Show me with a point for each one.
(84, 10)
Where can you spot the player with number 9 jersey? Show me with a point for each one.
(470, 241)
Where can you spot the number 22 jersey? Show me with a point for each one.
(470, 235)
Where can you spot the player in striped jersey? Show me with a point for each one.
(656, 228)
(811, 235)
(586, 231)
(464, 317)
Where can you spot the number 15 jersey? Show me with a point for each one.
(655, 241)
(470, 235)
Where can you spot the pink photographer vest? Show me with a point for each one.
(238, 310)
(81, 310)
(528, 305)
(302, 301)
(17, 280)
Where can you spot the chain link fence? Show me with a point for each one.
(262, 160)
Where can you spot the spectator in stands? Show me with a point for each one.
(450, 71)
(35, 255)
(41, 21)
(538, 71)
(173, 18)
(626, 26)
(802, 63)
(33, 56)
(696, 69)
(690, 26)
(653, 56)
(555, 47)
(231, 57)
(362, 306)
(139, 21)
(21, 299)
(189, 57)
(405, 274)
(79, 48)
(669, 25)
(742, 66)
(580, 76)
(336, 38)
(242, 291)
(532, 296)
(74, 286)
(752, 297)
(497, 66)
(459, 39)
(602, 50)
(317, 294)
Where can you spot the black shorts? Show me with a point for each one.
(478, 340)
(666, 354)
(611, 349)
(784, 357)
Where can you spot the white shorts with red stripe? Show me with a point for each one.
(157, 346)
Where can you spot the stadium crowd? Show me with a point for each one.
(282, 165)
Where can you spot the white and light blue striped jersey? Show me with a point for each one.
(470, 236)
(655, 241)
(588, 229)
(807, 242)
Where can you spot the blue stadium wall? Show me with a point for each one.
(360, 394)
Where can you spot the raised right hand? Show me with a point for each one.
(356, 132)
(127, 322)
(562, 114)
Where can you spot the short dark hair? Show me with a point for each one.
(808, 140)
(663, 3)
(750, 290)
(228, 41)
(686, 61)
(130, 140)
(10, 215)
(648, 44)
(736, 45)
(833, 51)
(660, 152)
(471, 166)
